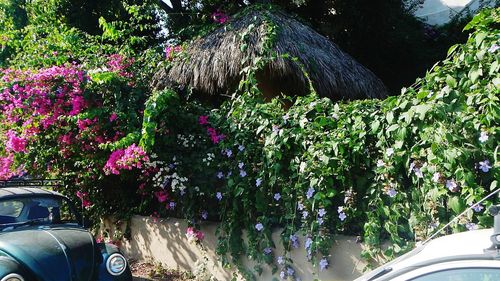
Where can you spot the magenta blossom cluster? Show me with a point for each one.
(84, 198)
(6, 171)
(120, 64)
(172, 51)
(15, 143)
(32, 103)
(125, 159)
(220, 17)
(214, 136)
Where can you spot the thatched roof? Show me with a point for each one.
(214, 62)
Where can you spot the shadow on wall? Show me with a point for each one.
(165, 241)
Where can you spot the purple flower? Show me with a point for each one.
(483, 137)
(342, 216)
(418, 173)
(220, 175)
(228, 152)
(412, 165)
(452, 185)
(172, 205)
(340, 209)
(308, 244)
(493, 48)
(259, 226)
(295, 241)
(258, 182)
(300, 206)
(391, 192)
(229, 174)
(321, 212)
(484, 166)
(219, 196)
(277, 196)
(268, 251)
(241, 147)
(282, 275)
(243, 173)
(305, 214)
(290, 271)
(240, 165)
(471, 226)
(204, 215)
(276, 128)
(280, 260)
(477, 207)
(320, 221)
(323, 264)
(310, 192)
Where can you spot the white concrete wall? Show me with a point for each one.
(439, 12)
(165, 241)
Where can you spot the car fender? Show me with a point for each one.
(8, 265)
(107, 250)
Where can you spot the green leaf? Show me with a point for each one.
(456, 204)
(451, 81)
(479, 38)
(494, 68)
(475, 73)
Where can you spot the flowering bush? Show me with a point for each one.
(395, 169)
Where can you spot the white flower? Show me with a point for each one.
(389, 151)
(483, 137)
(380, 163)
(436, 177)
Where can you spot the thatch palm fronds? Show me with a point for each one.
(214, 63)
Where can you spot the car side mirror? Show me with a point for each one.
(495, 238)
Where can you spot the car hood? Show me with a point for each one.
(53, 253)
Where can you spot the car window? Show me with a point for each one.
(36, 210)
(11, 208)
(462, 274)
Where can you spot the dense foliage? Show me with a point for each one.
(381, 34)
(78, 107)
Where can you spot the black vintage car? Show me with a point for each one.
(42, 238)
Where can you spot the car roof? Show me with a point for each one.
(459, 246)
(9, 192)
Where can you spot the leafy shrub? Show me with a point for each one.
(395, 169)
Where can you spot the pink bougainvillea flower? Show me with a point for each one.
(15, 143)
(125, 159)
(120, 64)
(194, 235)
(172, 51)
(6, 167)
(113, 117)
(162, 196)
(220, 17)
(203, 120)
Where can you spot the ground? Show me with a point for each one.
(151, 271)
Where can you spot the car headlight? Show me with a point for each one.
(13, 277)
(116, 264)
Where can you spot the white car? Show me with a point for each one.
(472, 255)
